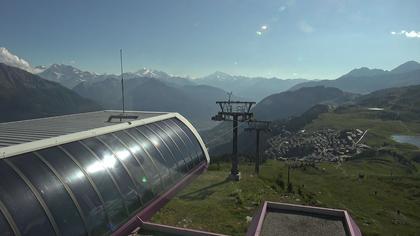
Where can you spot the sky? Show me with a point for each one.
(313, 39)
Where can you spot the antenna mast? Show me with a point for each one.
(122, 83)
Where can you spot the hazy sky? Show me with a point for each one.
(285, 38)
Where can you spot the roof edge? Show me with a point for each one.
(196, 134)
(67, 138)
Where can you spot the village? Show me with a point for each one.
(323, 145)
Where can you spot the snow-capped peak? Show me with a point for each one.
(145, 72)
(10, 59)
(218, 75)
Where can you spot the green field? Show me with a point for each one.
(381, 189)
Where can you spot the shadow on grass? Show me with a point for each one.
(202, 193)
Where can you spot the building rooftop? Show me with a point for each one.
(76, 125)
(276, 218)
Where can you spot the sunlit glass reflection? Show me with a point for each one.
(123, 154)
(107, 162)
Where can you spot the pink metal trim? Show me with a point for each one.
(353, 228)
(153, 207)
(258, 219)
(256, 224)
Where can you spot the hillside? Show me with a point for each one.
(406, 98)
(25, 96)
(293, 103)
(366, 80)
(370, 185)
(196, 102)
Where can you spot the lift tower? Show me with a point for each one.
(236, 111)
(258, 126)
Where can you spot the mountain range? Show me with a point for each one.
(365, 80)
(254, 88)
(25, 96)
(155, 90)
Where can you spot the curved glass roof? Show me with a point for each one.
(94, 185)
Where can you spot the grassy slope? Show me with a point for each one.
(374, 202)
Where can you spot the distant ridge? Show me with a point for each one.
(365, 80)
(254, 88)
(292, 103)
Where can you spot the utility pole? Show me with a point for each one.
(122, 82)
(236, 111)
(258, 127)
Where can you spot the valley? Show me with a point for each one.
(337, 143)
(370, 184)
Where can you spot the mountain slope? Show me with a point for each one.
(404, 101)
(106, 92)
(406, 67)
(293, 103)
(248, 87)
(195, 102)
(24, 96)
(366, 80)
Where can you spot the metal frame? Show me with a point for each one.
(180, 138)
(90, 180)
(255, 227)
(134, 156)
(110, 175)
(173, 141)
(166, 145)
(186, 135)
(124, 167)
(160, 154)
(153, 205)
(149, 157)
(9, 219)
(67, 188)
(37, 196)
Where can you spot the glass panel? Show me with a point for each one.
(97, 170)
(158, 159)
(150, 170)
(189, 156)
(80, 186)
(191, 144)
(52, 192)
(179, 157)
(163, 146)
(192, 138)
(188, 143)
(174, 173)
(117, 170)
(16, 195)
(5, 228)
(136, 171)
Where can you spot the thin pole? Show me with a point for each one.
(288, 176)
(235, 171)
(122, 83)
(257, 154)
